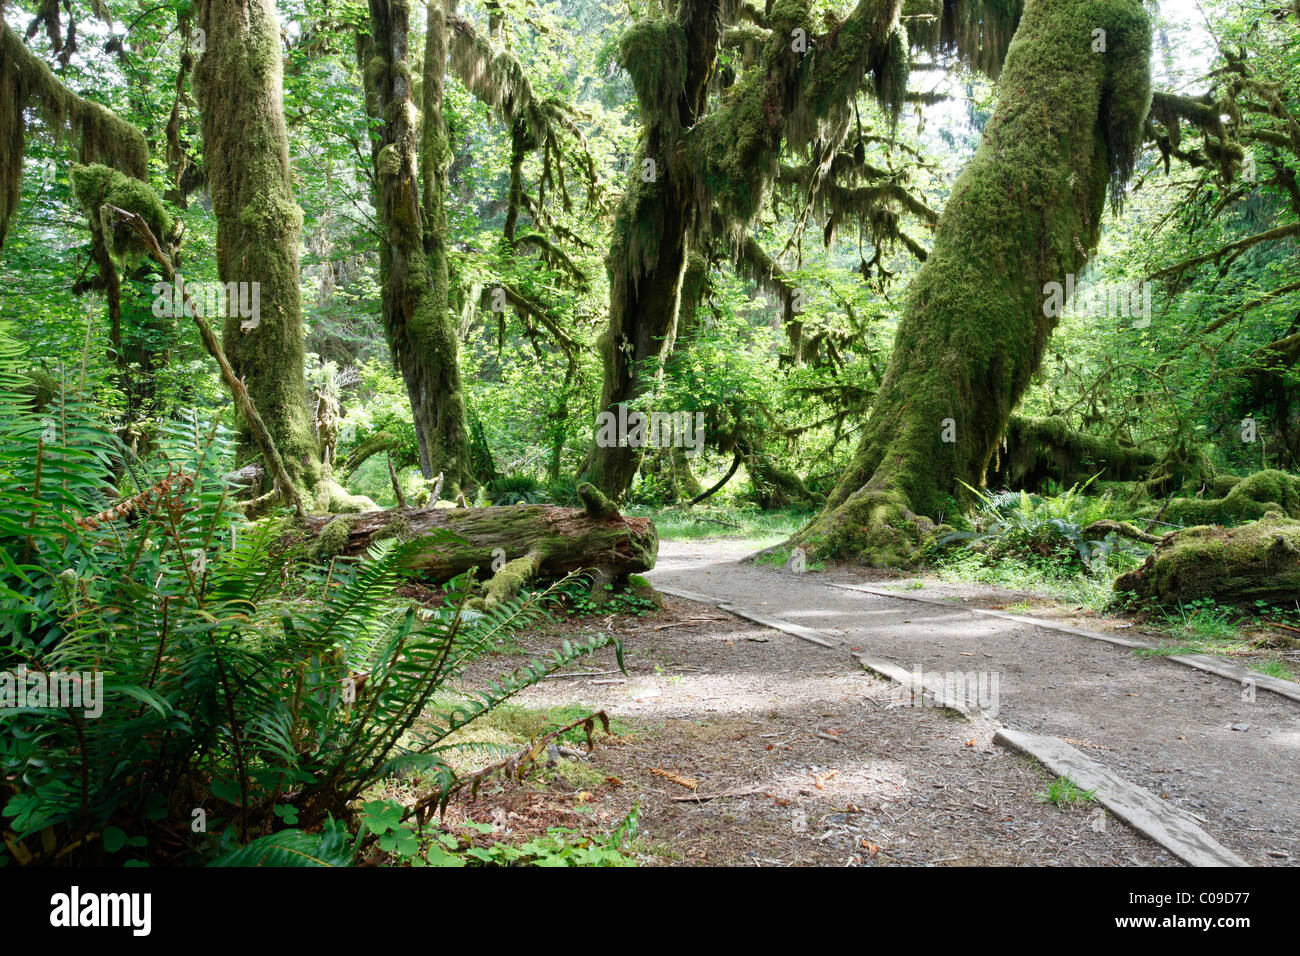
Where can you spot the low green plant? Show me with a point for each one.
(579, 601)
(1201, 620)
(559, 846)
(1022, 526)
(780, 558)
(1064, 792)
(516, 490)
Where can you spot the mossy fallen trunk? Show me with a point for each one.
(1242, 499)
(556, 541)
(1025, 212)
(1259, 561)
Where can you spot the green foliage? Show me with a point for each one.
(1064, 792)
(560, 846)
(1021, 525)
(516, 490)
(580, 601)
(237, 680)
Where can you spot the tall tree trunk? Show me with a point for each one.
(651, 241)
(1025, 212)
(246, 150)
(722, 164)
(412, 190)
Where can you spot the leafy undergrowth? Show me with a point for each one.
(471, 843)
(540, 812)
(1266, 639)
(1039, 545)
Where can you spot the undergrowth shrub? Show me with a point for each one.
(1026, 527)
(248, 697)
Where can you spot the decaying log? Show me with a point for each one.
(554, 541)
(1253, 562)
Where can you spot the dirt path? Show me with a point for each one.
(815, 761)
(1192, 738)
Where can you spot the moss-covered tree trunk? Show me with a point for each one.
(561, 540)
(412, 182)
(246, 151)
(670, 62)
(720, 164)
(1025, 212)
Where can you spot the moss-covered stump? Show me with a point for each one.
(1243, 499)
(1259, 561)
(563, 539)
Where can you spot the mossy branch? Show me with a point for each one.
(103, 136)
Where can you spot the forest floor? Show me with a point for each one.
(740, 744)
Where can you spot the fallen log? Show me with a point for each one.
(1253, 562)
(524, 541)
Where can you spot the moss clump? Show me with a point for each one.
(875, 527)
(654, 54)
(331, 541)
(96, 186)
(333, 498)
(644, 590)
(510, 580)
(397, 527)
(1259, 561)
(1243, 499)
(595, 503)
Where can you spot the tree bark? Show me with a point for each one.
(412, 185)
(246, 151)
(1025, 212)
(651, 241)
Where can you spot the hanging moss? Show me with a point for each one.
(793, 99)
(25, 81)
(1035, 451)
(96, 186)
(651, 239)
(654, 54)
(979, 32)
